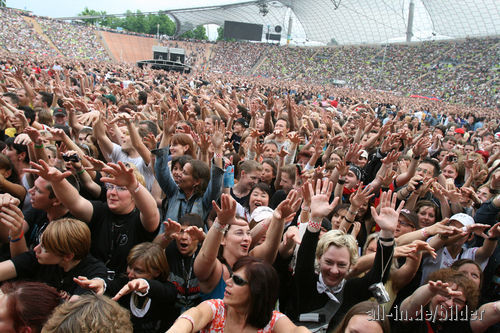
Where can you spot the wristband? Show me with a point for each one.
(39, 146)
(349, 221)
(493, 238)
(18, 238)
(217, 155)
(424, 233)
(341, 181)
(305, 209)
(79, 172)
(188, 318)
(386, 239)
(137, 188)
(219, 227)
(314, 226)
(352, 213)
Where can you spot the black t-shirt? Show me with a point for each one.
(183, 277)
(27, 267)
(37, 221)
(113, 235)
(151, 313)
(244, 201)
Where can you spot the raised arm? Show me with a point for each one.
(102, 139)
(66, 193)
(144, 201)
(284, 212)
(423, 295)
(207, 267)
(135, 139)
(193, 320)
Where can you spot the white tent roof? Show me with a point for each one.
(355, 21)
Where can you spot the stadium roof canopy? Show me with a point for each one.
(355, 21)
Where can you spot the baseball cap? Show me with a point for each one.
(459, 130)
(465, 219)
(242, 121)
(59, 112)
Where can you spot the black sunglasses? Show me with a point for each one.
(238, 280)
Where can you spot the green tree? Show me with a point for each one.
(200, 33)
(91, 12)
(220, 33)
(197, 33)
(3, 3)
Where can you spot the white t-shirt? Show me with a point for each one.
(118, 155)
(445, 260)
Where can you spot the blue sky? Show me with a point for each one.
(58, 8)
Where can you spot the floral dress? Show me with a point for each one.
(219, 318)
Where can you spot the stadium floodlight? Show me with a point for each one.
(336, 3)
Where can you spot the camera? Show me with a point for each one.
(70, 158)
(452, 158)
(419, 183)
(379, 293)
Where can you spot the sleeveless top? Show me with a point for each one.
(217, 292)
(219, 318)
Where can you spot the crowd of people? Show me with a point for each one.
(134, 199)
(18, 36)
(236, 57)
(74, 40)
(70, 40)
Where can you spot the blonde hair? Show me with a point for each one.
(67, 236)
(339, 239)
(90, 313)
(137, 174)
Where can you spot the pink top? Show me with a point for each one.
(219, 318)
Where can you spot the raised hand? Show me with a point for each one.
(195, 233)
(121, 175)
(356, 227)
(11, 216)
(97, 165)
(494, 231)
(226, 213)
(361, 196)
(287, 208)
(139, 285)
(443, 288)
(387, 219)
(320, 206)
(96, 285)
(218, 135)
(171, 228)
(292, 235)
(46, 172)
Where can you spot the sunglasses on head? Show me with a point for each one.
(238, 280)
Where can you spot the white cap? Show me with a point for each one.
(261, 213)
(465, 219)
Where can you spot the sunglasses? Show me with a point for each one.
(111, 187)
(238, 280)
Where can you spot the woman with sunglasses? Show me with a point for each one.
(249, 299)
(128, 217)
(233, 233)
